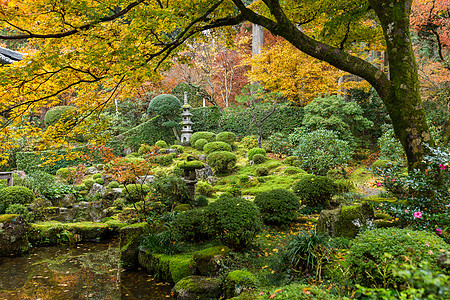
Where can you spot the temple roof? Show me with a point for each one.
(9, 56)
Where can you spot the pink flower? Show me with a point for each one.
(406, 210)
(378, 184)
(442, 166)
(438, 231)
(418, 215)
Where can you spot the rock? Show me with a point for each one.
(96, 189)
(168, 151)
(345, 221)
(129, 243)
(198, 287)
(68, 200)
(204, 173)
(443, 260)
(107, 179)
(238, 281)
(13, 235)
(202, 157)
(207, 260)
(112, 194)
(91, 171)
(146, 179)
(127, 151)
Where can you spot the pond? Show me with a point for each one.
(84, 271)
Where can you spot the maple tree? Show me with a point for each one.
(102, 50)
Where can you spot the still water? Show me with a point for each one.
(84, 271)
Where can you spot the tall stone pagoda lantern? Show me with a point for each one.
(186, 131)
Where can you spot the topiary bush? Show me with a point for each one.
(226, 137)
(216, 146)
(179, 148)
(261, 171)
(204, 188)
(201, 201)
(54, 114)
(99, 181)
(161, 144)
(259, 159)
(292, 161)
(209, 136)
(315, 190)
(135, 192)
(15, 195)
(221, 161)
(250, 141)
(190, 225)
(233, 221)
(113, 185)
(97, 176)
(278, 207)
(88, 183)
(200, 143)
(254, 151)
(367, 254)
(293, 170)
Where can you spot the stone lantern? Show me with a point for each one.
(186, 130)
(190, 178)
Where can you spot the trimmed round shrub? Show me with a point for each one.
(221, 161)
(315, 190)
(278, 207)
(190, 225)
(293, 170)
(179, 148)
(15, 195)
(144, 148)
(226, 137)
(99, 181)
(233, 221)
(64, 173)
(216, 146)
(250, 141)
(204, 188)
(254, 151)
(261, 171)
(291, 160)
(201, 201)
(80, 187)
(54, 114)
(88, 183)
(259, 159)
(367, 253)
(166, 105)
(200, 143)
(161, 144)
(135, 192)
(96, 176)
(164, 160)
(209, 136)
(113, 185)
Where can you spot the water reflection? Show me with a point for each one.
(86, 271)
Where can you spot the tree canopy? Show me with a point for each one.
(95, 51)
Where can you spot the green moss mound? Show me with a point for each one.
(209, 136)
(216, 146)
(226, 137)
(221, 161)
(254, 151)
(278, 207)
(315, 190)
(259, 158)
(161, 144)
(56, 113)
(191, 225)
(135, 192)
(200, 143)
(237, 281)
(367, 253)
(15, 195)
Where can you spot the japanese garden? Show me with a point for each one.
(226, 149)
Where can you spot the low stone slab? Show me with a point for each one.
(13, 235)
(198, 287)
(208, 260)
(129, 243)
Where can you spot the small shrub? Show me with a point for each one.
(261, 171)
(144, 148)
(221, 161)
(303, 249)
(54, 114)
(216, 146)
(113, 185)
(279, 143)
(226, 137)
(161, 144)
(88, 183)
(250, 141)
(390, 146)
(15, 195)
(64, 173)
(190, 225)
(254, 151)
(204, 188)
(293, 170)
(367, 254)
(179, 148)
(314, 190)
(278, 207)
(80, 187)
(99, 181)
(135, 192)
(96, 176)
(170, 190)
(200, 143)
(209, 136)
(292, 161)
(201, 201)
(259, 159)
(164, 160)
(233, 221)
(20, 209)
(344, 186)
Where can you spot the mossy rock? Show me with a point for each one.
(345, 221)
(238, 281)
(88, 231)
(206, 260)
(171, 268)
(129, 243)
(182, 207)
(198, 287)
(191, 165)
(13, 235)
